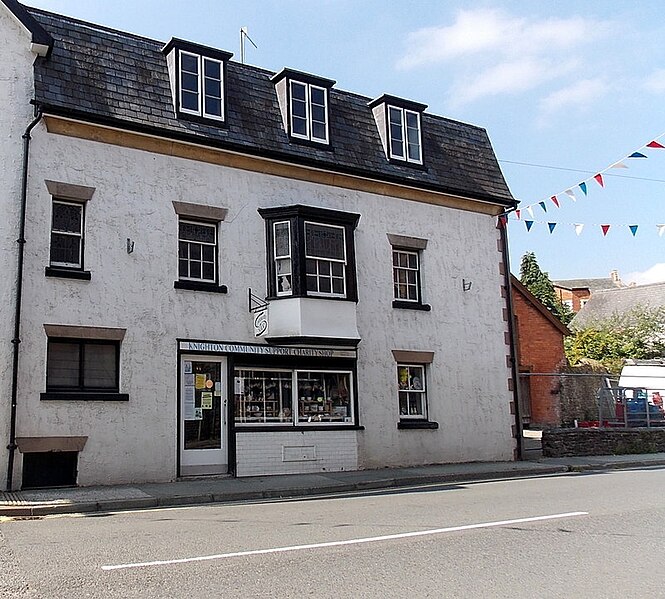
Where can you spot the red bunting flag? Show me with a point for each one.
(654, 144)
(517, 213)
(556, 202)
(503, 221)
(605, 229)
(599, 179)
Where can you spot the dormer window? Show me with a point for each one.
(303, 100)
(399, 124)
(197, 76)
(404, 134)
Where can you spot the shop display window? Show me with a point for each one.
(293, 397)
(263, 396)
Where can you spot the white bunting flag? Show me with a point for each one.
(578, 229)
(529, 209)
(619, 164)
(661, 230)
(570, 194)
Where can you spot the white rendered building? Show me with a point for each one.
(227, 270)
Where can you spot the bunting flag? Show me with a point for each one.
(517, 213)
(654, 144)
(503, 221)
(634, 229)
(529, 209)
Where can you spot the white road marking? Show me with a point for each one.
(402, 535)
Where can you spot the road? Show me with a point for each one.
(581, 535)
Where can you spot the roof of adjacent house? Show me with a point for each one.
(607, 303)
(520, 288)
(109, 77)
(590, 284)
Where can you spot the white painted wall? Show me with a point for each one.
(16, 113)
(136, 441)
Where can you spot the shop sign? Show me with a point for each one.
(266, 350)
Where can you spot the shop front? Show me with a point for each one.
(253, 409)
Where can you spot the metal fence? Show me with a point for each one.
(588, 400)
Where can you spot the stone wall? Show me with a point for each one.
(578, 394)
(593, 441)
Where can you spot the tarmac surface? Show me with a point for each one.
(193, 491)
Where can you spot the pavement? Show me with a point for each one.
(190, 491)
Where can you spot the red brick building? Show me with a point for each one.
(574, 293)
(540, 350)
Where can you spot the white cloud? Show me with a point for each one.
(578, 95)
(655, 274)
(491, 31)
(656, 81)
(492, 52)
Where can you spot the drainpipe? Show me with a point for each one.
(503, 229)
(16, 341)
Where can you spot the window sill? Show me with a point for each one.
(303, 141)
(286, 428)
(200, 286)
(83, 396)
(411, 306)
(417, 424)
(66, 273)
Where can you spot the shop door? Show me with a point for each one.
(203, 406)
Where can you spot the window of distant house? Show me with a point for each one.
(311, 252)
(201, 86)
(197, 251)
(67, 234)
(412, 391)
(309, 111)
(404, 134)
(81, 367)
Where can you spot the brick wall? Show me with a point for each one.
(592, 441)
(540, 349)
(297, 452)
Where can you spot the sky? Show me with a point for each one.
(565, 89)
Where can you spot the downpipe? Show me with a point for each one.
(16, 340)
(503, 231)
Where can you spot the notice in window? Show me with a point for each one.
(206, 401)
(189, 403)
(201, 381)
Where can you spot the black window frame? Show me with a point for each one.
(297, 216)
(82, 391)
(193, 280)
(67, 266)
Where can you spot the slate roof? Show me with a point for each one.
(106, 76)
(590, 284)
(606, 303)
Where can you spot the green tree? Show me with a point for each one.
(637, 334)
(538, 283)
